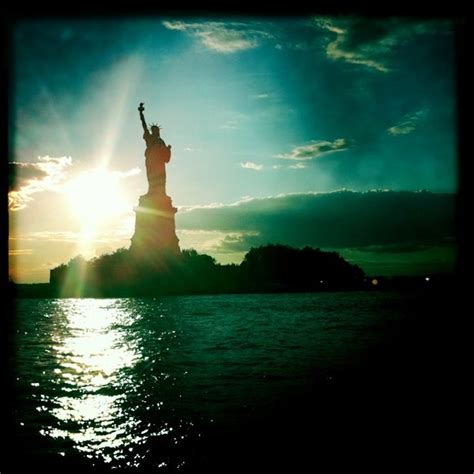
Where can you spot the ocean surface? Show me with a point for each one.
(194, 383)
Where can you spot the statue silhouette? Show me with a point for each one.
(157, 154)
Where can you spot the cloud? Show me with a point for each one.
(17, 252)
(50, 236)
(298, 166)
(315, 149)
(370, 42)
(126, 174)
(47, 174)
(175, 25)
(116, 233)
(230, 125)
(239, 242)
(408, 123)
(229, 37)
(261, 96)
(251, 166)
(212, 241)
(26, 179)
(20, 174)
(342, 219)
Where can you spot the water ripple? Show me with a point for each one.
(136, 382)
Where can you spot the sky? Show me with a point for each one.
(334, 132)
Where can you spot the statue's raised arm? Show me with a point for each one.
(141, 109)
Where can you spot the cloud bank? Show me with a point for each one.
(342, 219)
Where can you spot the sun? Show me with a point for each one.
(95, 197)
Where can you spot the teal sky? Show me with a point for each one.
(253, 108)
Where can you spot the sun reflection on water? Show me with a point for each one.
(92, 352)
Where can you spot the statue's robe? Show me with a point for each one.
(157, 154)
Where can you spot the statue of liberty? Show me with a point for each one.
(157, 154)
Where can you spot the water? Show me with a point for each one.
(156, 383)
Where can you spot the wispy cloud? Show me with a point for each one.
(228, 37)
(50, 236)
(408, 124)
(370, 42)
(251, 166)
(26, 179)
(115, 233)
(315, 149)
(18, 252)
(298, 166)
(212, 205)
(126, 174)
(261, 96)
(230, 125)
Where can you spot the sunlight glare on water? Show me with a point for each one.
(90, 351)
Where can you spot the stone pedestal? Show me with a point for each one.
(155, 229)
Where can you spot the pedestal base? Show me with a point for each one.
(155, 229)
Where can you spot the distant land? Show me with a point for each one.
(266, 269)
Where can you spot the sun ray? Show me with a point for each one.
(129, 73)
